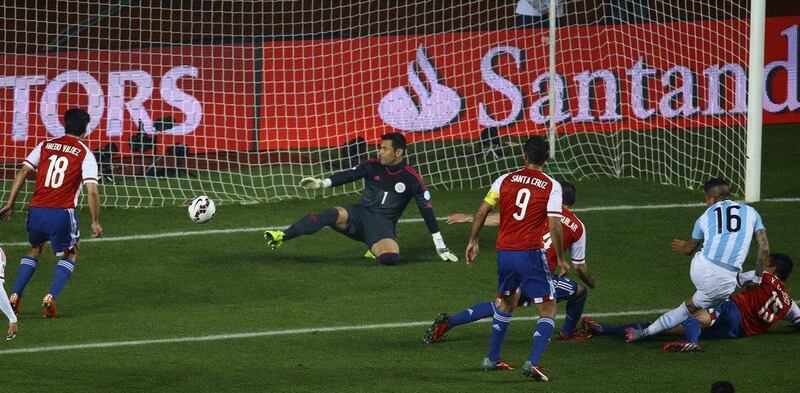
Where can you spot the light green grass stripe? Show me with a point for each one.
(287, 332)
(163, 235)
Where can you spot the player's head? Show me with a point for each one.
(716, 189)
(783, 265)
(722, 387)
(567, 193)
(393, 148)
(75, 121)
(536, 150)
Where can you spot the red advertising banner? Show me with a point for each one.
(451, 86)
(319, 93)
(208, 91)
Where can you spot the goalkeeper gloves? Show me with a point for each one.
(442, 249)
(312, 183)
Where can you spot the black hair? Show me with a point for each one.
(537, 149)
(75, 121)
(722, 387)
(783, 265)
(716, 184)
(398, 140)
(568, 193)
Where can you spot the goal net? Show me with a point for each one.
(241, 99)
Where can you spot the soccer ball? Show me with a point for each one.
(202, 209)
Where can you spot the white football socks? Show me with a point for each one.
(669, 320)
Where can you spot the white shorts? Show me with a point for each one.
(713, 283)
(2, 266)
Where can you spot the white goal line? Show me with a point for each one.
(286, 332)
(163, 235)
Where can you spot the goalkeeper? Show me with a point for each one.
(389, 184)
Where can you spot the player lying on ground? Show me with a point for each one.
(530, 204)
(760, 306)
(61, 164)
(5, 305)
(566, 289)
(725, 230)
(389, 184)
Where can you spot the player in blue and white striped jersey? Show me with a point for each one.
(725, 231)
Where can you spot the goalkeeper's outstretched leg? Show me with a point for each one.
(308, 225)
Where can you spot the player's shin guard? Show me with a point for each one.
(27, 266)
(669, 320)
(471, 314)
(312, 223)
(499, 326)
(541, 337)
(61, 275)
(691, 328)
(574, 313)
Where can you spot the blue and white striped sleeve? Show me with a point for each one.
(759, 226)
(698, 232)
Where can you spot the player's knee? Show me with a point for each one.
(36, 251)
(580, 294)
(71, 254)
(389, 258)
(506, 303)
(341, 217)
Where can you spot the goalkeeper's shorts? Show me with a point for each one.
(366, 226)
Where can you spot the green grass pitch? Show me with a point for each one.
(229, 283)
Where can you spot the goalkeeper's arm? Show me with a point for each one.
(426, 210)
(336, 179)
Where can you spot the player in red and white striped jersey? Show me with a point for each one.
(529, 202)
(566, 289)
(61, 165)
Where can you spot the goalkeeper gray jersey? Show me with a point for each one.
(388, 189)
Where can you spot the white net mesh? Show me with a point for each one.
(239, 100)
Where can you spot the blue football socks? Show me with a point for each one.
(541, 337)
(61, 275)
(499, 326)
(574, 313)
(27, 266)
(471, 314)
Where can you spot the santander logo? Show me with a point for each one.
(438, 105)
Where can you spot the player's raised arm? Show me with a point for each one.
(338, 178)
